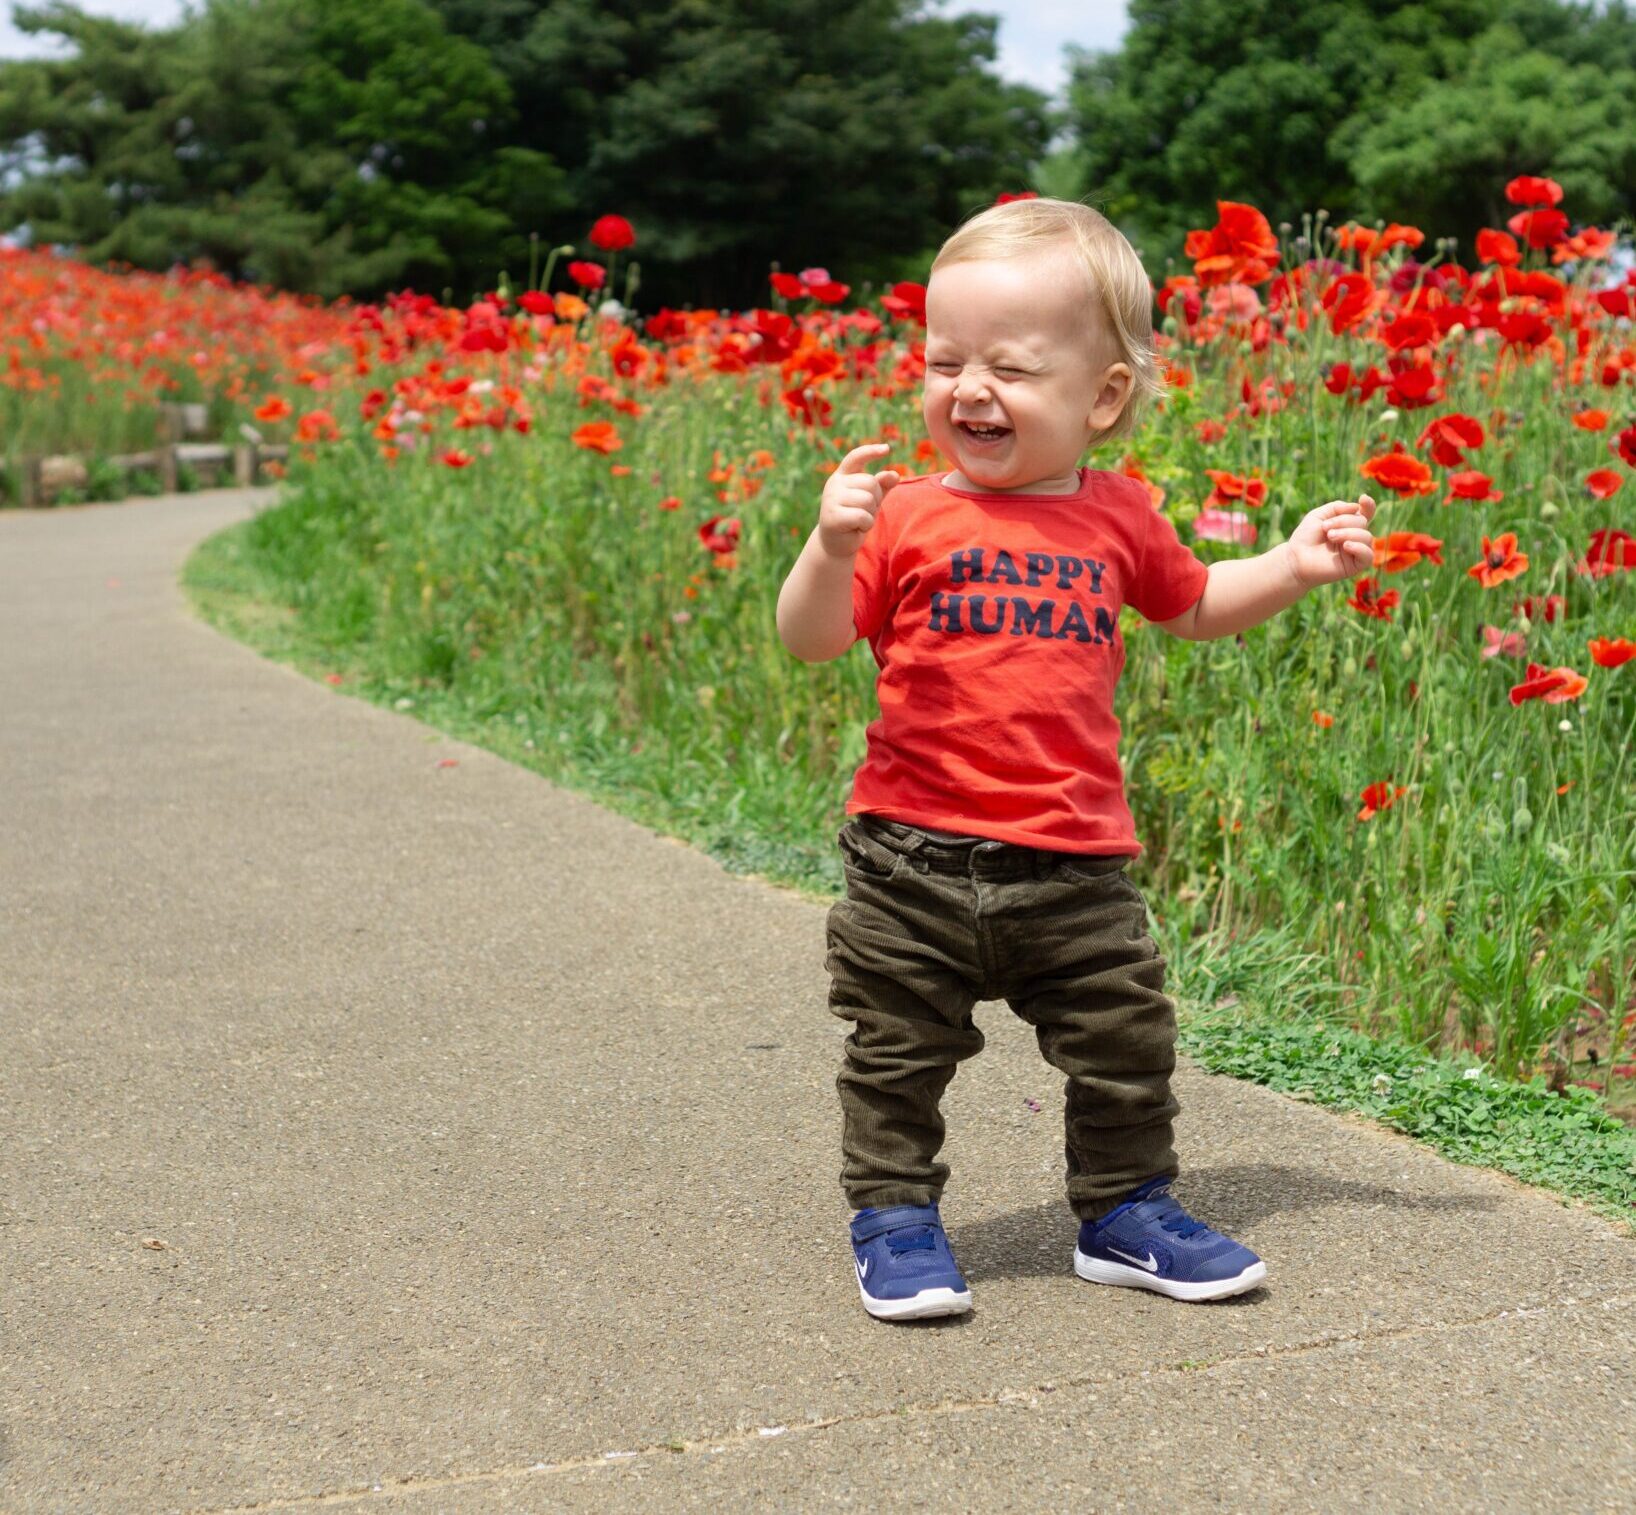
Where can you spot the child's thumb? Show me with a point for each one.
(887, 480)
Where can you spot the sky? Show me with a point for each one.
(1032, 32)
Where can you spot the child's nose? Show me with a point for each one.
(970, 387)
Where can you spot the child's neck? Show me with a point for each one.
(1062, 484)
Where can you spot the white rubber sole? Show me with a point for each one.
(1100, 1272)
(921, 1306)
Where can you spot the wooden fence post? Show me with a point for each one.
(28, 481)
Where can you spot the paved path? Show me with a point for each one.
(385, 1135)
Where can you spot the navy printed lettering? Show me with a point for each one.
(945, 611)
(1029, 618)
(1049, 619)
(1004, 569)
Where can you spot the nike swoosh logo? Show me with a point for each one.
(1150, 1264)
(863, 1269)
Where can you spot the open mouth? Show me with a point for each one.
(984, 434)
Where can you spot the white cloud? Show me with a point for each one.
(154, 13)
(1033, 34)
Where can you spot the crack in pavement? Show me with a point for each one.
(1009, 1398)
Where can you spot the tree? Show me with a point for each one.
(1334, 104)
(317, 147)
(736, 133)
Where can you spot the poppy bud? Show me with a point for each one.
(1548, 509)
(1350, 667)
(1522, 821)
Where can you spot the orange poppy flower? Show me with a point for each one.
(1379, 796)
(1367, 600)
(1230, 487)
(1611, 652)
(1501, 561)
(1398, 550)
(1604, 483)
(1553, 685)
(273, 408)
(1400, 473)
(598, 436)
(1473, 486)
(1591, 420)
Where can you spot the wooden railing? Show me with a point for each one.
(42, 477)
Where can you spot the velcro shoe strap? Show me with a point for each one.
(895, 1218)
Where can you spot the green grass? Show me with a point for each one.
(1566, 1143)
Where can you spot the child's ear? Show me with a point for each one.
(1113, 392)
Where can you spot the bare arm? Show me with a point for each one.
(815, 604)
(1332, 543)
(1240, 593)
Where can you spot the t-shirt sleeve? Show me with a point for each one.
(872, 574)
(1170, 577)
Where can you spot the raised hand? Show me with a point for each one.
(1333, 542)
(851, 498)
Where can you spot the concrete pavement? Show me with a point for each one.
(382, 1134)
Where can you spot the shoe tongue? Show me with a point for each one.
(918, 1239)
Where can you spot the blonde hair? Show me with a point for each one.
(1117, 279)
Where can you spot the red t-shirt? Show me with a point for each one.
(994, 620)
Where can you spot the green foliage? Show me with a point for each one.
(850, 135)
(319, 148)
(364, 147)
(1387, 108)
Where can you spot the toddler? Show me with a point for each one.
(988, 832)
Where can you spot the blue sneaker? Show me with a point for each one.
(1150, 1242)
(905, 1268)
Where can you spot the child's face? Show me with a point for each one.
(1011, 341)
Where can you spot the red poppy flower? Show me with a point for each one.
(1525, 189)
(1625, 445)
(1349, 299)
(1230, 487)
(1379, 796)
(1021, 194)
(1239, 249)
(1398, 550)
(1536, 607)
(1553, 685)
(720, 534)
(1588, 243)
(1501, 561)
(1498, 247)
(1540, 228)
(1591, 420)
(588, 275)
(1611, 652)
(1604, 483)
(1472, 486)
(1415, 386)
(598, 436)
(612, 233)
(907, 302)
(456, 457)
(1366, 599)
(273, 408)
(1412, 328)
(1400, 473)
(1612, 550)
(670, 502)
(1449, 437)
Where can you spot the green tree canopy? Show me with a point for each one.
(851, 134)
(1395, 109)
(313, 146)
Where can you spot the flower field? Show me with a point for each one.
(571, 526)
